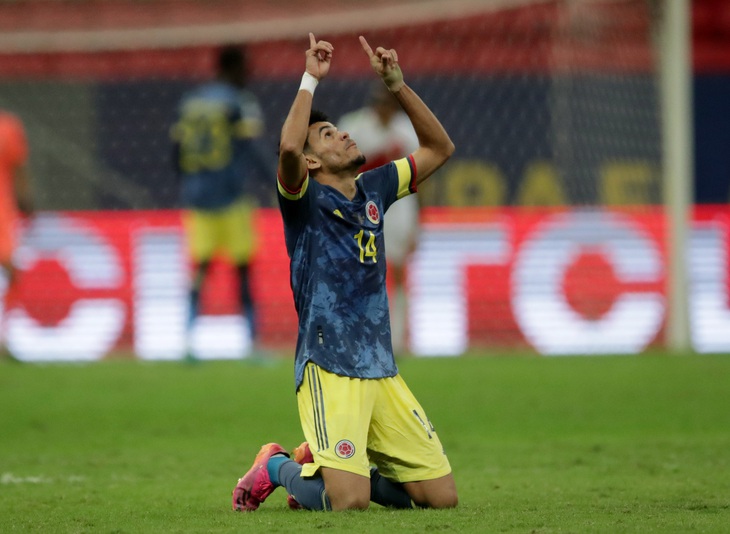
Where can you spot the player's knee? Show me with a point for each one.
(346, 491)
(442, 501)
(349, 501)
(447, 499)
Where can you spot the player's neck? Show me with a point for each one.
(345, 184)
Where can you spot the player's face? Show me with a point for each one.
(334, 149)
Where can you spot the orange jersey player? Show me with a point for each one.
(14, 186)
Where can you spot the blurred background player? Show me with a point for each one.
(217, 158)
(384, 134)
(15, 199)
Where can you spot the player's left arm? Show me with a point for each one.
(435, 145)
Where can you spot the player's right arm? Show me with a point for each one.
(292, 162)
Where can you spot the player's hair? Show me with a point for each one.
(315, 116)
(318, 116)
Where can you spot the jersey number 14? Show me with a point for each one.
(369, 250)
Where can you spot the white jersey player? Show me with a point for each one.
(384, 133)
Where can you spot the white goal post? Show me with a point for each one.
(674, 44)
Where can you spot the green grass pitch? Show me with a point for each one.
(538, 445)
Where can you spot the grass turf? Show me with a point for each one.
(609, 444)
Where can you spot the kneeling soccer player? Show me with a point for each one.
(354, 407)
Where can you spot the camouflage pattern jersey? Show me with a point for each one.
(337, 261)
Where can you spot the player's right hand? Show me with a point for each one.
(319, 57)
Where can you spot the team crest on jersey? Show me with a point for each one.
(345, 449)
(372, 212)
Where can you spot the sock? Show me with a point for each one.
(199, 273)
(193, 306)
(388, 493)
(273, 466)
(246, 298)
(309, 492)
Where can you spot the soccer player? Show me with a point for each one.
(15, 199)
(215, 156)
(354, 407)
(384, 133)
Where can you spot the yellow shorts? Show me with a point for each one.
(230, 231)
(353, 423)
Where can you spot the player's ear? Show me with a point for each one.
(313, 162)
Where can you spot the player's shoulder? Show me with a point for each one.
(382, 172)
(214, 89)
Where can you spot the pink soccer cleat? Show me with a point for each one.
(301, 455)
(253, 488)
(293, 503)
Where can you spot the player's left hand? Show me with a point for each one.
(385, 63)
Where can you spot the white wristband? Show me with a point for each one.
(309, 83)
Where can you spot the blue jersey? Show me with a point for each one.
(337, 254)
(214, 144)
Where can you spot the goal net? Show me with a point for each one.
(544, 231)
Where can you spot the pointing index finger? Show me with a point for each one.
(366, 46)
(312, 40)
